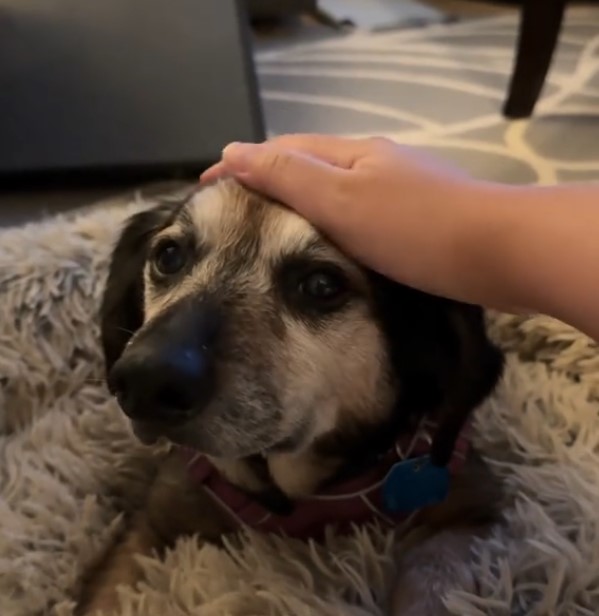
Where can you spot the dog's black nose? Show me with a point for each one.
(165, 385)
(166, 375)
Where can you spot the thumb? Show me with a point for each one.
(302, 182)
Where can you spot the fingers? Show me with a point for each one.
(296, 179)
(214, 172)
(338, 151)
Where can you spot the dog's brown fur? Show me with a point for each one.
(303, 396)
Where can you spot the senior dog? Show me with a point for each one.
(298, 389)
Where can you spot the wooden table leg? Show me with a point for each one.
(540, 25)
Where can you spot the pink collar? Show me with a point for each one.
(356, 501)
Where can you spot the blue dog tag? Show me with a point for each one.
(413, 484)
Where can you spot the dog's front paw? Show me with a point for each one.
(409, 605)
(428, 570)
(103, 604)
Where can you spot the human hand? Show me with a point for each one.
(396, 209)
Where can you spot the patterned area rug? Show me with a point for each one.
(69, 468)
(442, 88)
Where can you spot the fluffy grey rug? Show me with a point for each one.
(68, 466)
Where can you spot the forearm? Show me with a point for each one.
(538, 250)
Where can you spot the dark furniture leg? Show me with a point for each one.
(539, 29)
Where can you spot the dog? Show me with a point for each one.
(231, 327)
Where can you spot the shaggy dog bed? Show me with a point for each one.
(70, 470)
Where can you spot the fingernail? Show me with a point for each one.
(237, 155)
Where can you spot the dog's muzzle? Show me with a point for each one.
(166, 375)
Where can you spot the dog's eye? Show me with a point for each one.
(168, 257)
(323, 286)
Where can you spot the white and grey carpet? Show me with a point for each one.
(442, 88)
(68, 466)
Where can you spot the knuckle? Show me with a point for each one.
(276, 162)
(343, 190)
(379, 143)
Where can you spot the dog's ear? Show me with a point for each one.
(443, 360)
(472, 378)
(121, 313)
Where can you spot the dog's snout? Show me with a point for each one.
(166, 374)
(166, 385)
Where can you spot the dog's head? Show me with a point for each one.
(231, 325)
